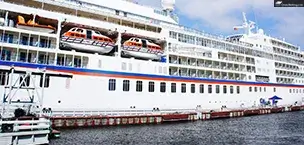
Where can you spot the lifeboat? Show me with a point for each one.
(33, 26)
(142, 48)
(87, 40)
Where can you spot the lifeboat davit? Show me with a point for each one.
(87, 40)
(142, 48)
(31, 25)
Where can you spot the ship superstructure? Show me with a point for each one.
(124, 60)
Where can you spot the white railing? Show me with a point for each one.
(28, 125)
(115, 112)
(94, 9)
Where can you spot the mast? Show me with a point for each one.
(246, 26)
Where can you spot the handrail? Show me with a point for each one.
(25, 121)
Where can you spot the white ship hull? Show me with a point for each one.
(89, 90)
(36, 29)
(87, 48)
(137, 54)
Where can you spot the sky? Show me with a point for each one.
(219, 16)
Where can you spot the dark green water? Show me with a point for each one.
(274, 129)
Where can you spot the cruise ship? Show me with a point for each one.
(123, 56)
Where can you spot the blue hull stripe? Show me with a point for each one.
(84, 71)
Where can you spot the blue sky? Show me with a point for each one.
(219, 17)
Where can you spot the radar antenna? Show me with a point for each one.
(246, 26)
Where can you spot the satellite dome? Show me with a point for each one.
(168, 4)
(261, 31)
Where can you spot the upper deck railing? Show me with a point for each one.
(75, 4)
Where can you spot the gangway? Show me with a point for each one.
(22, 120)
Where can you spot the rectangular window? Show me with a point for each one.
(173, 87)
(151, 86)
(217, 89)
(238, 89)
(250, 89)
(183, 88)
(231, 89)
(4, 78)
(264, 89)
(26, 82)
(255, 89)
(201, 88)
(112, 84)
(46, 81)
(274, 89)
(209, 89)
(260, 89)
(163, 87)
(192, 88)
(225, 89)
(139, 86)
(290, 91)
(126, 86)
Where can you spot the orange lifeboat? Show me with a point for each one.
(142, 48)
(87, 40)
(33, 26)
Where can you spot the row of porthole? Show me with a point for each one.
(296, 91)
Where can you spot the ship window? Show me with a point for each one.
(173, 87)
(274, 89)
(231, 89)
(209, 89)
(26, 82)
(73, 29)
(294, 90)
(116, 12)
(112, 84)
(217, 89)
(139, 87)
(97, 32)
(297, 90)
(224, 89)
(260, 89)
(250, 89)
(151, 86)
(183, 88)
(290, 91)
(162, 87)
(264, 89)
(238, 89)
(192, 88)
(201, 88)
(46, 81)
(22, 56)
(79, 30)
(255, 89)
(3, 77)
(126, 85)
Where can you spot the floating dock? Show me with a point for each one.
(160, 118)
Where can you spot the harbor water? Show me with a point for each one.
(273, 129)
